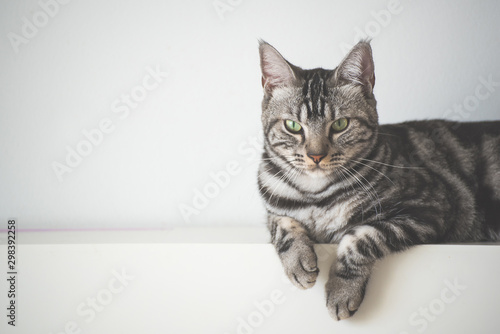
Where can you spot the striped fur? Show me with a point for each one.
(378, 189)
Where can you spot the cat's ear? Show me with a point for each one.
(276, 71)
(357, 67)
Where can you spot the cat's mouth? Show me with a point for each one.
(318, 170)
(320, 165)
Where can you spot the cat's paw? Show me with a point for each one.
(343, 297)
(301, 264)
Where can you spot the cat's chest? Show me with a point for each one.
(323, 221)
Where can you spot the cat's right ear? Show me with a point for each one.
(276, 71)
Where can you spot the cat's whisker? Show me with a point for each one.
(286, 158)
(277, 158)
(376, 170)
(354, 190)
(389, 165)
(284, 176)
(277, 182)
(346, 180)
(266, 186)
(375, 193)
(369, 190)
(297, 174)
(387, 134)
(267, 170)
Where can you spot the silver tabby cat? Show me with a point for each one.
(331, 174)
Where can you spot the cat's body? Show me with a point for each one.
(331, 173)
(448, 166)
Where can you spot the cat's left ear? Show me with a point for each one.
(276, 71)
(357, 67)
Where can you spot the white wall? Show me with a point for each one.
(71, 73)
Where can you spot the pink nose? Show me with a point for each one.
(316, 157)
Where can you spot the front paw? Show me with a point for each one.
(300, 263)
(344, 296)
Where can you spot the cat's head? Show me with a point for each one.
(316, 120)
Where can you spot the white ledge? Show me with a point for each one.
(176, 235)
(121, 286)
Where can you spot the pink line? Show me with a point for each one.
(89, 230)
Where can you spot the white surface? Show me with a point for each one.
(201, 235)
(205, 111)
(215, 288)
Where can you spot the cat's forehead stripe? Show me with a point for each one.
(315, 92)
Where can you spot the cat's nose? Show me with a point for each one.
(316, 157)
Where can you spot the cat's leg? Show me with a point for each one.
(357, 251)
(347, 280)
(295, 250)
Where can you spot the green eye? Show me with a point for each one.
(292, 126)
(340, 124)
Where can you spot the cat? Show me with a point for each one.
(330, 173)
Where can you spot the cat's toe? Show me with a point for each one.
(309, 262)
(303, 276)
(338, 308)
(301, 267)
(308, 278)
(343, 298)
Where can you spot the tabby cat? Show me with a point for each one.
(331, 174)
